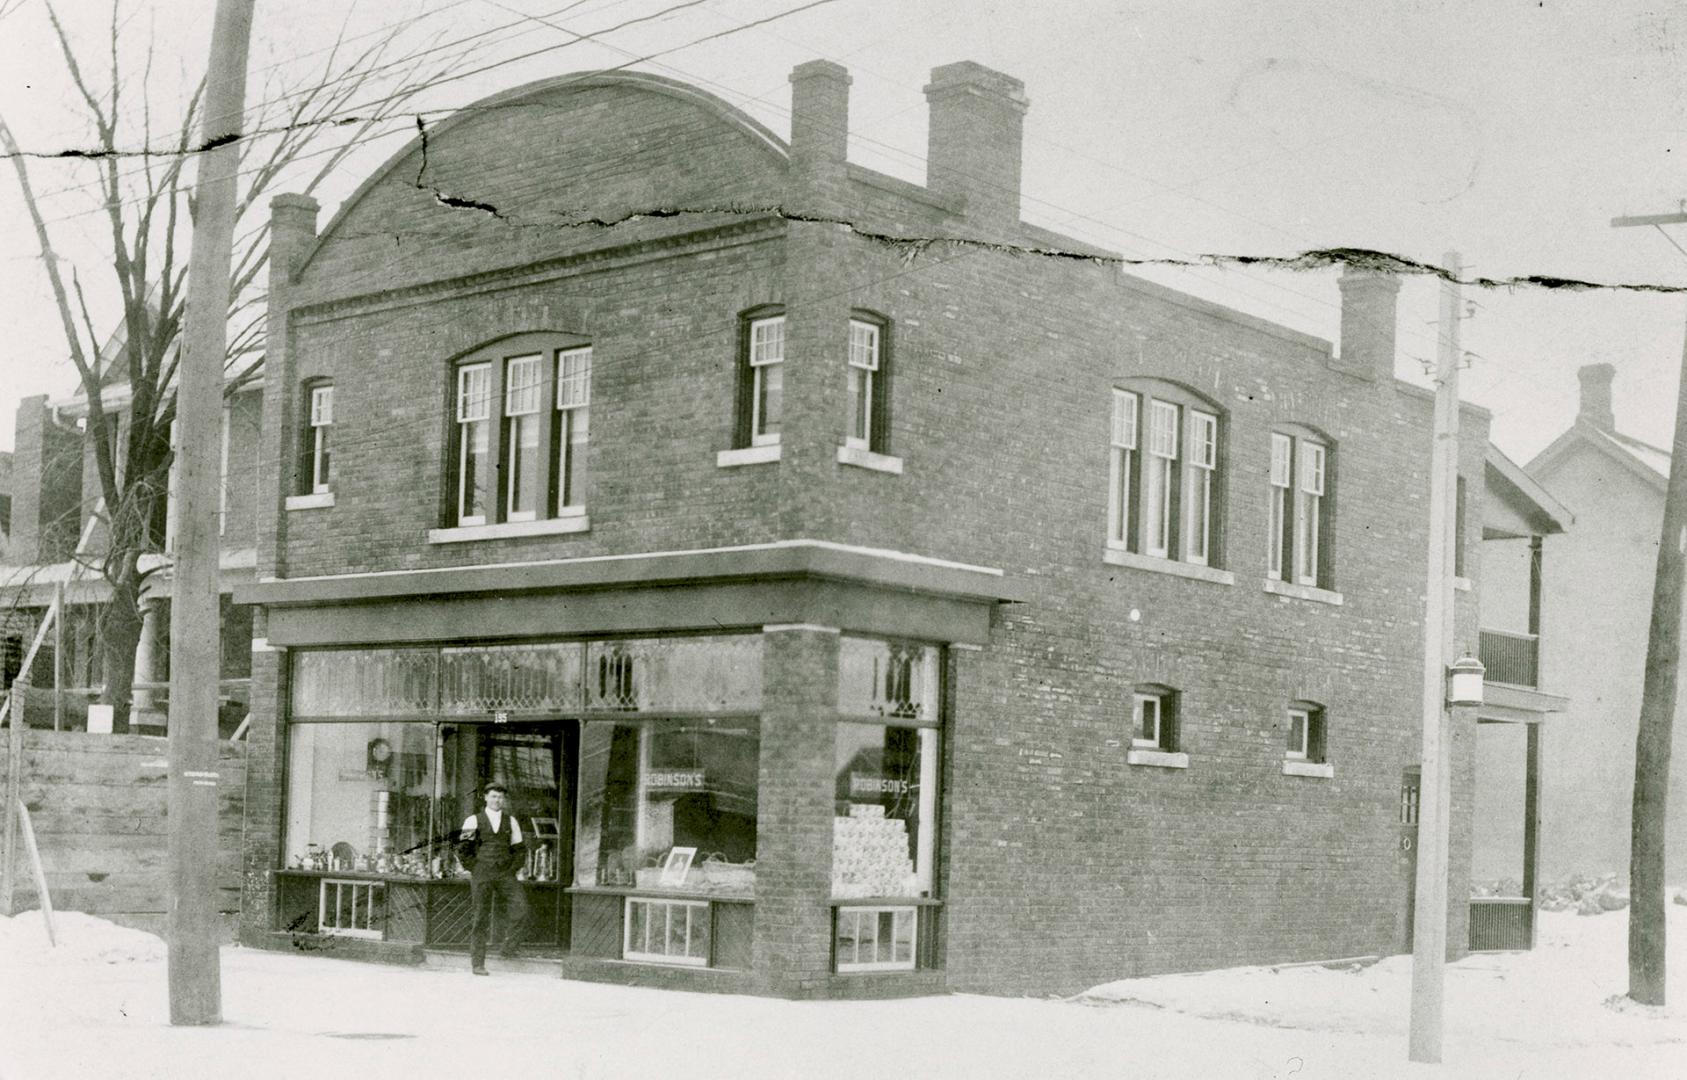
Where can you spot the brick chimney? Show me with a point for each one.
(292, 230)
(819, 171)
(974, 144)
(1368, 309)
(1596, 396)
(46, 486)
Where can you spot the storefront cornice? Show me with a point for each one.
(782, 559)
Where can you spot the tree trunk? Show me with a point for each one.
(1648, 910)
(120, 634)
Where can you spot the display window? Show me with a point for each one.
(883, 828)
(669, 805)
(360, 796)
(389, 797)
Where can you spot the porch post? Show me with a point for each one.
(1532, 823)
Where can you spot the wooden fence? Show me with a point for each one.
(99, 807)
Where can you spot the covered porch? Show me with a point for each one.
(1518, 515)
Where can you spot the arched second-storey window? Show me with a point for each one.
(1165, 491)
(519, 429)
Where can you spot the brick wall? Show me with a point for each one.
(47, 487)
(1064, 864)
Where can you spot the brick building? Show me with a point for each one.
(850, 612)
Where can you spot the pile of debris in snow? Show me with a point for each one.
(1582, 893)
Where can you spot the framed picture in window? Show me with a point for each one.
(677, 866)
(546, 828)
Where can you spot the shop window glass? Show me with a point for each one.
(360, 797)
(668, 805)
(511, 677)
(884, 829)
(365, 682)
(700, 674)
(887, 678)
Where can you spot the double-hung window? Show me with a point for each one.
(1203, 463)
(518, 453)
(1122, 469)
(573, 402)
(1298, 544)
(522, 399)
(863, 381)
(767, 379)
(316, 474)
(474, 444)
(1164, 487)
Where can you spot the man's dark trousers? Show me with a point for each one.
(493, 879)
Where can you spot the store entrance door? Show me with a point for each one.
(536, 761)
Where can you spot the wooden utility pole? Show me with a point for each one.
(1429, 915)
(1647, 910)
(195, 633)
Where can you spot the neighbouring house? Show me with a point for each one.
(97, 801)
(1597, 601)
(56, 541)
(848, 612)
(5, 499)
(1521, 721)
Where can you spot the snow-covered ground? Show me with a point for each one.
(96, 1007)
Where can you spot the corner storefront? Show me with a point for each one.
(751, 806)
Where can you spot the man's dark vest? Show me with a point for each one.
(494, 853)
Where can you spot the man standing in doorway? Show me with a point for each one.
(491, 846)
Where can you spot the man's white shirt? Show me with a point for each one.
(470, 824)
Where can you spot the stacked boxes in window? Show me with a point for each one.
(870, 855)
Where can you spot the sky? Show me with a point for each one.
(1177, 133)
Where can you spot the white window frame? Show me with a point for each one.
(321, 429)
(864, 340)
(473, 407)
(646, 954)
(521, 407)
(1282, 483)
(1140, 700)
(361, 909)
(573, 402)
(1162, 470)
(1302, 752)
(1312, 463)
(1202, 457)
(1121, 467)
(766, 353)
(900, 915)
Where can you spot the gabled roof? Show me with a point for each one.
(1647, 462)
(1523, 496)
